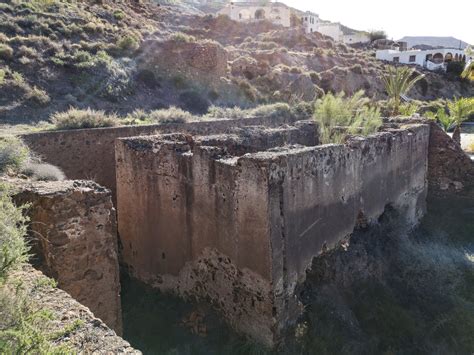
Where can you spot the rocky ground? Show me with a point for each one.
(119, 56)
(52, 319)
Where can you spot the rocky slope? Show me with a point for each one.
(119, 56)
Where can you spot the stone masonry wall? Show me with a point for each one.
(90, 153)
(74, 233)
(214, 218)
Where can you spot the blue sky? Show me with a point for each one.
(399, 17)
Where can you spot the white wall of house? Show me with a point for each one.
(310, 22)
(332, 30)
(276, 13)
(421, 57)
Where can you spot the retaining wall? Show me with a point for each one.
(90, 153)
(74, 240)
(206, 218)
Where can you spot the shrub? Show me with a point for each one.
(128, 43)
(3, 38)
(2, 76)
(409, 109)
(13, 154)
(315, 77)
(6, 52)
(39, 96)
(354, 113)
(170, 115)
(119, 15)
(43, 172)
(77, 119)
(13, 248)
(137, 117)
(182, 37)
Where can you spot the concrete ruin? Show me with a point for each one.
(237, 219)
(234, 211)
(73, 234)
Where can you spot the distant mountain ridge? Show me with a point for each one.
(432, 41)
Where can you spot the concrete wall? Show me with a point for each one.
(74, 238)
(318, 195)
(239, 224)
(90, 153)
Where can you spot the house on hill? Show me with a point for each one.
(433, 59)
(256, 10)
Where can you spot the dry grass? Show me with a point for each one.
(77, 119)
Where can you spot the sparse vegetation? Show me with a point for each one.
(128, 43)
(13, 224)
(6, 52)
(13, 154)
(183, 37)
(76, 119)
(42, 172)
(170, 115)
(339, 115)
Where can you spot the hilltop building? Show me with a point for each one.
(339, 33)
(311, 21)
(255, 10)
(433, 59)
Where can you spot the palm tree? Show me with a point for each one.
(399, 81)
(468, 72)
(460, 110)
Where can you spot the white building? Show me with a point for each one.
(339, 33)
(310, 21)
(433, 59)
(256, 10)
(331, 29)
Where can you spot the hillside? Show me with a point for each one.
(127, 55)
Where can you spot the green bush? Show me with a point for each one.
(13, 154)
(6, 52)
(119, 15)
(77, 119)
(182, 37)
(352, 114)
(128, 43)
(13, 226)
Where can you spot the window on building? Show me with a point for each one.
(412, 59)
(306, 19)
(396, 59)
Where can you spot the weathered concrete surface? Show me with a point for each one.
(90, 153)
(74, 233)
(211, 216)
(319, 194)
(90, 336)
(450, 170)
